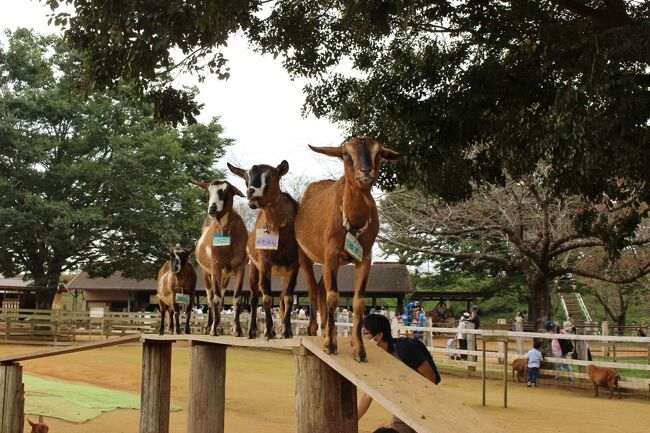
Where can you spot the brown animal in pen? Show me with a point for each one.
(520, 366)
(272, 247)
(221, 252)
(600, 376)
(177, 276)
(337, 224)
(39, 427)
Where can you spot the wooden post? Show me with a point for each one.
(12, 400)
(326, 402)
(483, 375)
(519, 327)
(648, 364)
(605, 331)
(207, 391)
(471, 345)
(581, 348)
(155, 390)
(505, 375)
(501, 345)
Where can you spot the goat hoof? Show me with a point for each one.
(270, 334)
(361, 357)
(287, 334)
(237, 333)
(332, 349)
(187, 331)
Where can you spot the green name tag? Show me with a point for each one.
(182, 299)
(353, 247)
(220, 240)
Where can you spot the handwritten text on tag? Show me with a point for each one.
(266, 240)
(353, 247)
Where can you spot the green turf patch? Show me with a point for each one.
(74, 403)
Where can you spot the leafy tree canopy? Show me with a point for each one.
(464, 88)
(89, 182)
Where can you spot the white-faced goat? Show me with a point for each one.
(177, 276)
(221, 252)
(337, 223)
(272, 247)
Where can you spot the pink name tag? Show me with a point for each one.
(266, 240)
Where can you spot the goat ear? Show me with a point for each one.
(170, 247)
(31, 423)
(40, 419)
(283, 168)
(329, 151)
(236, 191)
(236, 170)
(390, 154)
(200, 184)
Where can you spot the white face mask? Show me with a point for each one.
(373, 341)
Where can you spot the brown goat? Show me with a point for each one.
(600, 376)
(334, 214)
(519, 366)
(176, 276)
(41, 427)
(221, 252)
(275, 221)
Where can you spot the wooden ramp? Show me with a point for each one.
(412, 398)
(69, 349)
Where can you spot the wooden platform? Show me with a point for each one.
(425, 407)
(69, 349)
(228, 340)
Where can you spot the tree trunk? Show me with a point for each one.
(539, 302)
(620, 321)
(44, 290)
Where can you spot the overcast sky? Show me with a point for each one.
(259, 106)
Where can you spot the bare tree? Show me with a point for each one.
(522, 227)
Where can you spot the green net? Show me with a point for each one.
(72, 402)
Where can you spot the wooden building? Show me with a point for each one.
(386, 280)
(16, 293)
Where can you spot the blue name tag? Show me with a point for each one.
(182, 299)
(220, 240)
(353, 247)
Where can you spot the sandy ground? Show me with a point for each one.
(260, 393)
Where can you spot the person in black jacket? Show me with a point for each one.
(376, 329)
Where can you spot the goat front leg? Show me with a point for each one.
(163, 311)
(207, 280)
(287, 291)
(265, 287)
(171, 316)
(312, 290)
(330, 271)
(177, 314)
(362, 269)
(237, 301)
(217, 303)
(253, 283)
(595, 390)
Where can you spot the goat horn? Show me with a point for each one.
(328, 150)
(200, 184)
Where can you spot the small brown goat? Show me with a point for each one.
(221, 252)
(176, 276)
(41, 427)
(600, 376)
(276, 220)
(335, 220)
(519, 366)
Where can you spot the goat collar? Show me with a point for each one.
(227, 226)
(356, 232)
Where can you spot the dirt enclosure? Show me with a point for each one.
(260, 394)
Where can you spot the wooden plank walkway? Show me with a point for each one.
(425, 407)
(69, 349)
(228, 340)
